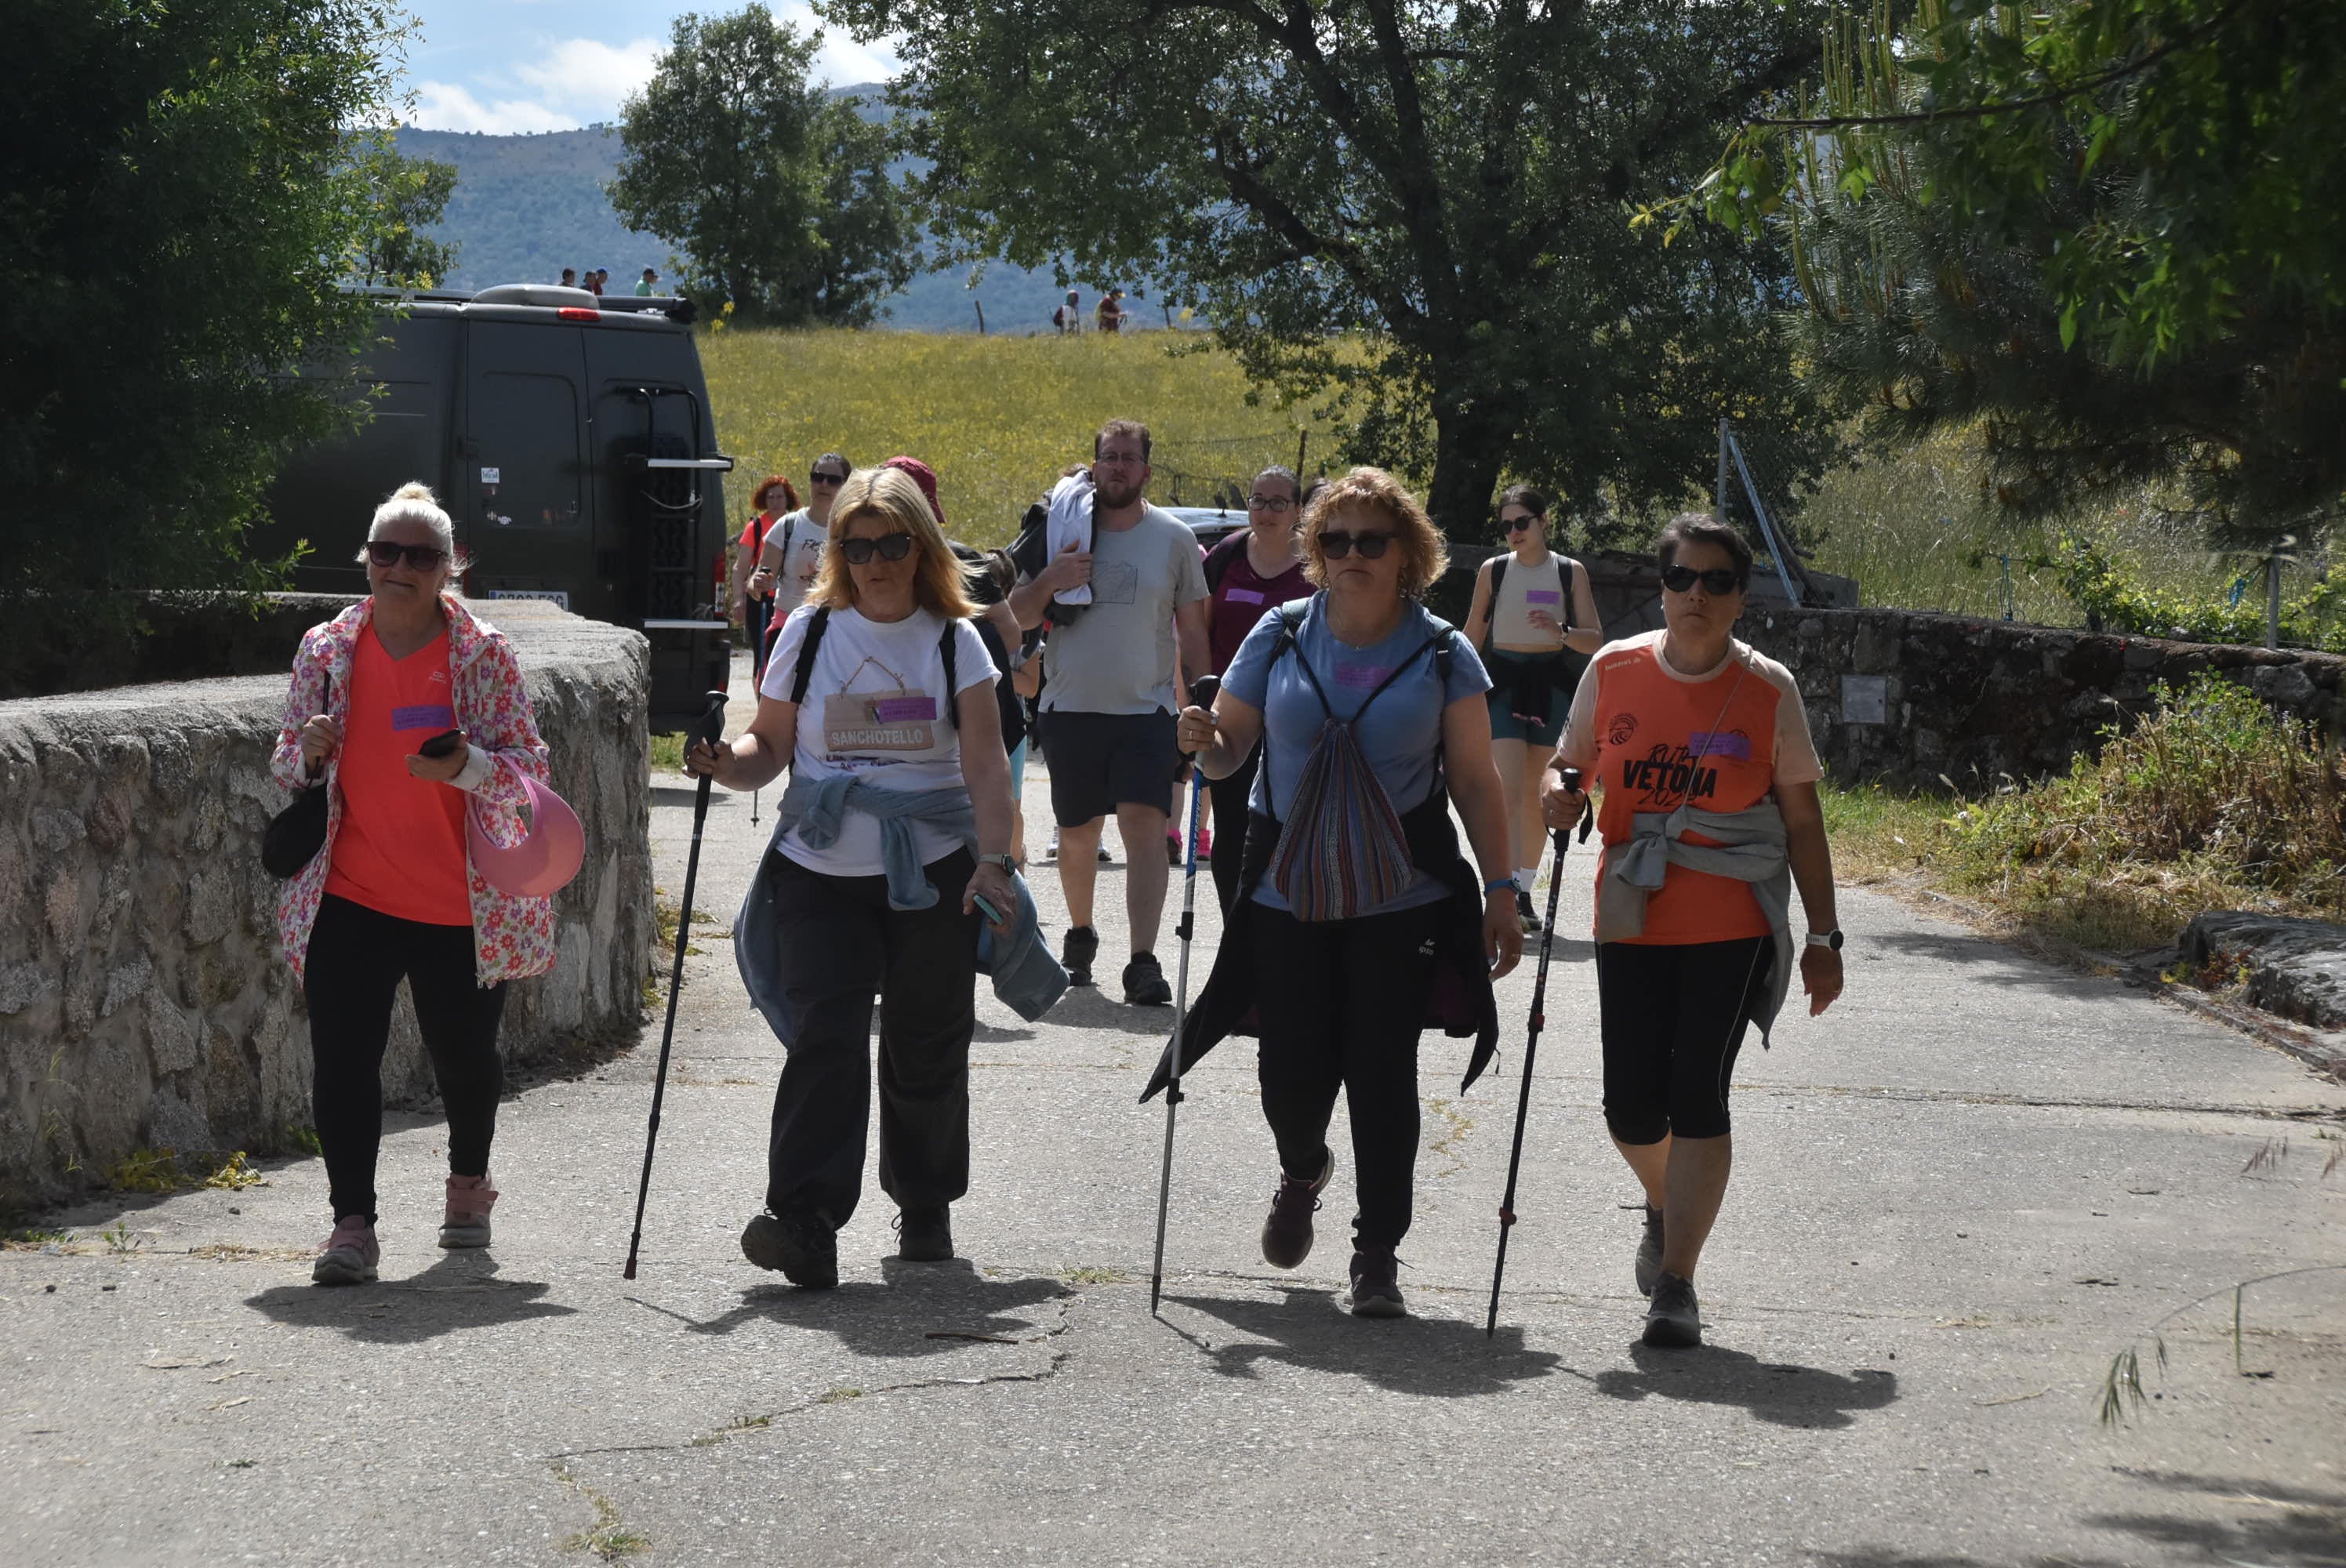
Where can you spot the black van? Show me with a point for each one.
(569, 437)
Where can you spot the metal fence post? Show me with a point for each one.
(1718, 491)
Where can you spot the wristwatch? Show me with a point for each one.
(1009, 863)
(1831, 938)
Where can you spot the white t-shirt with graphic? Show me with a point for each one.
(800, 563)
(876, 706)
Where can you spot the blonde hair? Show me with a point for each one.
(890, 495)
(1423, 553)
(414, 503)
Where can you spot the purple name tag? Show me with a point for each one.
(1362, 677)
(904, 710)
(1543, 597)
(433, 715)
(1720, 743)
(1243, 597)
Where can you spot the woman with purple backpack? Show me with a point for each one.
(1357, 922)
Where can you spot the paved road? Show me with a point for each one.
(1958, 1196)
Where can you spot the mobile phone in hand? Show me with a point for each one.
(441, 745)
(986, 907)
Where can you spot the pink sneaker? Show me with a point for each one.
(349, 1255)
(466, 1220)
(1205, 843)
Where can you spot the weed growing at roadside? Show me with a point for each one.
(118, 1239)
(146, 1170)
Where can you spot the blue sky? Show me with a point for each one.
(507, 66)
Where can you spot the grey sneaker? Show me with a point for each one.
(1673, 1316)
(1076, 953)
(465, 1220)
(1376, 1286)
(1144, 984)
(1649, 1252)
(1287, 1229)
(349, 1255)
(803, 1246)
(925, 1235)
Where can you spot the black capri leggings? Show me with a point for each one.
(1673, 1017)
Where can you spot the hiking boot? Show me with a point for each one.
(1674, 1317)
(1287, 1229)
(925, 1235)
(349, 1255)
(803, 1246)
(1076, 954)
(1172, 848)
(1524, 913)
(1376, 1286)
(1649, 1252)
(1144, 984)
(465, 1220)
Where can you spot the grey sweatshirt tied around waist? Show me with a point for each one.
(1751, 849)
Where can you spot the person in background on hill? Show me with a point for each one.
(870, 887)
(793, 554)
(644, 285)
(570, 277)
(753, 602)
(1534, 636)
(1108, 707)
(1699, 747)
(1069, 317)
(1253, 571)
(391, 895)
(1355, 898)
(1109, 316)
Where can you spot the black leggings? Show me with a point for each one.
(357, 958)
(1673, 1017)
(1341, 1004)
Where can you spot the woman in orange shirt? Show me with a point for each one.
(1700, 748)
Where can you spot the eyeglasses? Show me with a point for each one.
(1336, 547)
(420, 557)
(1516, 524)
(1719, 581)
(1128, 459)
(822, 476)
(889, 548)
(1271, 503)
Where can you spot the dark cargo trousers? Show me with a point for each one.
(841, 945)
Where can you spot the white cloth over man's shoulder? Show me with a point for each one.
(1070, 524)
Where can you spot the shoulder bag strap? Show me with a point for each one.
(816, 626)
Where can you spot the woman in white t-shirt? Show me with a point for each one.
(896, 765)
(792, 555)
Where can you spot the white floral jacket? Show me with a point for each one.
(512, 937)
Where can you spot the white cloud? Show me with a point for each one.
(443, 105)
(589, 77)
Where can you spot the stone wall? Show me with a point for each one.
(143, 1001)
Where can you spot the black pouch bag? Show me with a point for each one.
(295, 834)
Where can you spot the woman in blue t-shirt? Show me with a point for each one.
(1353, 900)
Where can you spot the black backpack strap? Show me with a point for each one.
(1218, 559)
(1498, 575)
(816, 624)
(952, 686)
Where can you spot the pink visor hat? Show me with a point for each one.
(542, 864)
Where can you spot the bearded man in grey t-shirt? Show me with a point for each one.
(1109, 702)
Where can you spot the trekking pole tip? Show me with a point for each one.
(630, 1272)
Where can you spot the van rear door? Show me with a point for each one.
(523, 506)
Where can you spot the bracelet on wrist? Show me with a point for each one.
(1500, 885)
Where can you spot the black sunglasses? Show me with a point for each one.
(889, 546)
(1718, 581)
(1336, 547)
(420, 557)
(819, 476)
(1512, 523)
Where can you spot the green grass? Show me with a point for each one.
(667, 755)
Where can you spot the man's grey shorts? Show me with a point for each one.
(1102, 761)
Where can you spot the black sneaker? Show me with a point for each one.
(1524, 913)
(1287, 1230)
(803, 1246)
(925, 1235)
(1144, 984)
(1172, 848)
(1376, 1286)
(1076, 954)
(1649, 1252)
(1674, 1317)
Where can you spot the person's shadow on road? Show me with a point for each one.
(460, 1291)
(919, 1310)
(1415, 1355)
(1775, 1392)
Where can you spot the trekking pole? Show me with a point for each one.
(1201, 694)
(1531, 1049)
(710, 728)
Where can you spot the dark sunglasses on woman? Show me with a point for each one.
(817, 476)
(1513, 524)
(1718, 581)
(420, 557)
(890, 547)
(1336, 547)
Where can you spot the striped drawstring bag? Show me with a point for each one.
(1341, 851)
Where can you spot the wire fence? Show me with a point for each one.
(1219, 471)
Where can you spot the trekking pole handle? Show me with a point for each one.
(1572, 781)
(1202, 692)
(709, 728)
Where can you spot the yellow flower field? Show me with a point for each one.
(996, 417)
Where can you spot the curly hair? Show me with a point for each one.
(772, 482)
(1424, 556)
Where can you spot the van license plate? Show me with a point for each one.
(551, 596)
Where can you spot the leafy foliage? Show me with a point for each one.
(778, 196)
(2114, 601)
(405, 196)
(1451, 181)
(2110, 232)
(174, 183)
